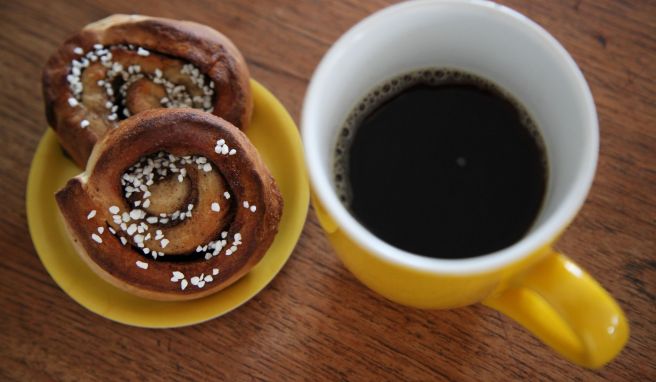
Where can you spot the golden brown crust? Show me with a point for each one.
(166, 40)
(183, 132)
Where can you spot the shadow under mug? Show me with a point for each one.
(530, 282)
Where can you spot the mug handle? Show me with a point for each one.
(566, 309)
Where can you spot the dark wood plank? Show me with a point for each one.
(315, 321)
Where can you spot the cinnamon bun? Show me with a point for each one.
(124, 64)
(174, 204)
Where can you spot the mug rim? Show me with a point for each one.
(534, 240)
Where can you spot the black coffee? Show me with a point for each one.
(442, 163)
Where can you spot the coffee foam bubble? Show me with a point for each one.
(393, 87)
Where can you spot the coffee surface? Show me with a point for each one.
(442, 164)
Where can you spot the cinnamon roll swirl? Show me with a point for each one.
(174, 204)
(124, 64)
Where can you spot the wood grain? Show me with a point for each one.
(315, 321)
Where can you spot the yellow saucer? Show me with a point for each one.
(276, 137)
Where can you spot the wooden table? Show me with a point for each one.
(315, 321)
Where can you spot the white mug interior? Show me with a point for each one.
(480, 37)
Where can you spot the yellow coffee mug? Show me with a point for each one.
(530, 282)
